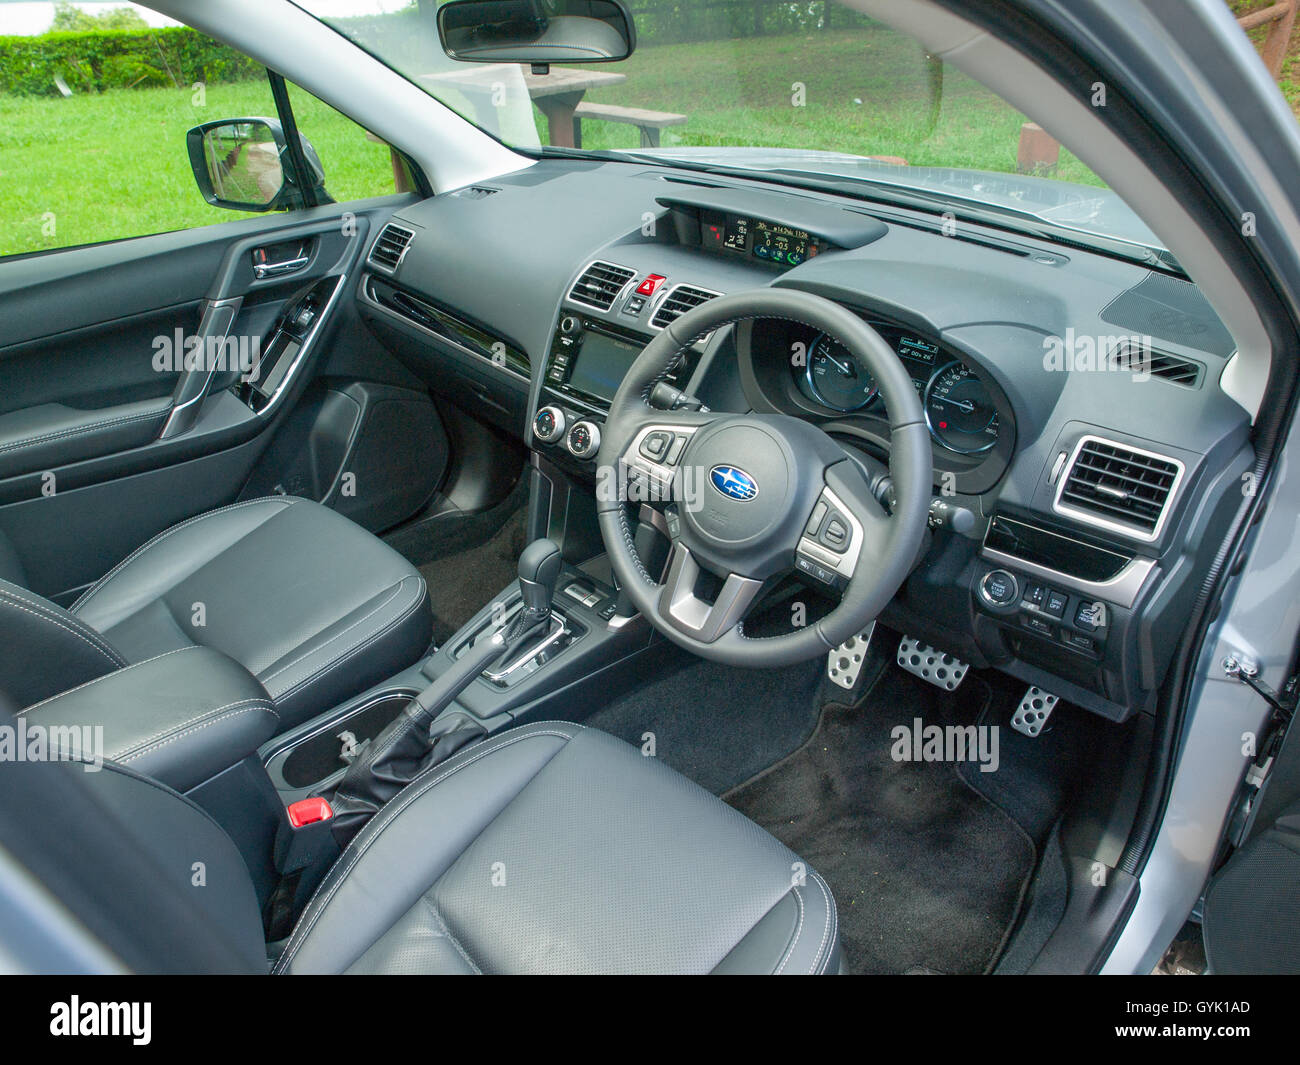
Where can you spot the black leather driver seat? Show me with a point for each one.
(316, 607)
(547, 848)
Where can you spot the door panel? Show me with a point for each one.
(108, 431)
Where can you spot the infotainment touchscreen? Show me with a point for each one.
(601, 363)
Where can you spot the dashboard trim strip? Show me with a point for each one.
(1121, 589)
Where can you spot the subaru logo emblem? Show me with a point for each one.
(733, 483)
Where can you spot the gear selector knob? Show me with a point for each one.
(539, 570)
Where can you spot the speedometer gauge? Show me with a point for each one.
(834, 377)
(960, 411)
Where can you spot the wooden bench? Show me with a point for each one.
(648, 122)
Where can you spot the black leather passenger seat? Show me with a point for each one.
(314, 606)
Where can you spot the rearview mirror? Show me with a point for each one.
(536, 31)
(238, 163)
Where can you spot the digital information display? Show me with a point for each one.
(769, 242)
(601, 364)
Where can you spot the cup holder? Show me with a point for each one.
(315, 759)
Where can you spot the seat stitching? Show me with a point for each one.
(798, 931)
(338, 661)
(90, 427)
(397, 588)
(55, 613)
(442, 923)
(385, 817)
(117, 660)
(86, 596)
(201, 722)
(87, 684)
(826, 930)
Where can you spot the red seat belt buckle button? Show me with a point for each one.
(308, 812)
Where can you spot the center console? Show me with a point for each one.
(587, 361)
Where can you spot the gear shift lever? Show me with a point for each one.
(418, 739)
(539, 569)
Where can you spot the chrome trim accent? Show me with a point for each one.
(925, 410)
(1121, 589)
(593, 431)
(685, 611)
(390, 271)
(662, 475)
(617, 296)
(370, 301)
(304, 348)
(1089, 518)
(844, 564)
(172, 427)
(558, 629)
(668, 294)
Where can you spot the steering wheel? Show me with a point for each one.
(751, 497)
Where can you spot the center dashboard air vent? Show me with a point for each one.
(1119, 488)
(681, 299)
(600, 285)
(390, 247)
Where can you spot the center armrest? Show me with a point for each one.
(180, 718)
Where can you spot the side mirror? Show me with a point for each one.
(536, 31)
(238, 164)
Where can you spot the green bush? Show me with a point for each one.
(95, 60)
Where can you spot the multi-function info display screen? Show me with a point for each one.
(755, 238)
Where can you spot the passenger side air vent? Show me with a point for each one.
(1120, 488)
(1131, 358)
(681, 299)
(600, 285)
(390, 247)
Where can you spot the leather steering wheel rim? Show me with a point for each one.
(889, 543)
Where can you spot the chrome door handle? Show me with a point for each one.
(289, 266)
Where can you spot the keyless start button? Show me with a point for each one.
(999, 588)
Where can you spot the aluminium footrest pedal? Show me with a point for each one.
(930, 664)
(1035, 708)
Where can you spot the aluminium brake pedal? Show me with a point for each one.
(844, 663)
(930, 664)
(1035, 708)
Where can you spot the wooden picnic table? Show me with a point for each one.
(556, 94)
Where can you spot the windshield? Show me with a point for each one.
(801, 93)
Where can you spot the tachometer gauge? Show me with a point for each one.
(960, 410)
(834, 377)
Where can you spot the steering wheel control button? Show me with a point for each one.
(548, 426)
(1031, 715)
(673, 518)
(836, 534)
(815, 522)
(999, 588)
(656, 445)
(819, 572)
(931, 665)
(584, 440)
(675, 450)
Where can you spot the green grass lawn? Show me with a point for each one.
(115, 164)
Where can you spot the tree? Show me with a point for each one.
(67, 17)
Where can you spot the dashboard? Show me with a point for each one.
(1074, 499)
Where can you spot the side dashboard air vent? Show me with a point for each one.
(600, 285)
(1132, 358)
(1120, 488)
(390, 247)
(681, 299)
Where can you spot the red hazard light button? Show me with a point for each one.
(650, 285)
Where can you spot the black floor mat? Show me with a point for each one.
(719, 725)
(927, 873)
(462, 583)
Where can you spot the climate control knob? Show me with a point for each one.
(584, 440)
(548, 426)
